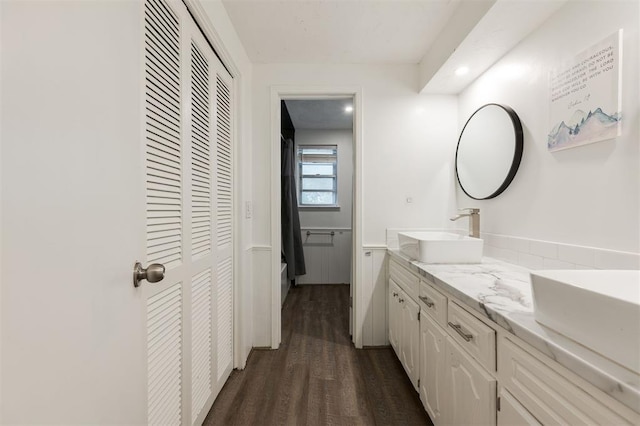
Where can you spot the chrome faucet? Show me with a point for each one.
(474, 220)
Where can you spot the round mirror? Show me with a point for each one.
(489, 151)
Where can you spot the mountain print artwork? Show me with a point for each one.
(585, 96)
(583, 128)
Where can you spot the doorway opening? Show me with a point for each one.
(317, 196)
(321, 136)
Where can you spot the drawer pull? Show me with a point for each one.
(395, 294)
(458, 328)
(426, 301)
(401, 300)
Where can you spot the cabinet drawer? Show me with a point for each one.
(434, 303)
(473, 335)
(549, 396)
(405, 279)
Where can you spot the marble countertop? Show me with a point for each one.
(501, 292)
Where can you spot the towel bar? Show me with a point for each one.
(332, 233)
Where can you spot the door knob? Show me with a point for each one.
(153, 273)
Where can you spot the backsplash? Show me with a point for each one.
(536, 254)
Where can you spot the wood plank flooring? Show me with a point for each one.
(317, 377)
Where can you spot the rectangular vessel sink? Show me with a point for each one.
(598, 309)
(440, 247)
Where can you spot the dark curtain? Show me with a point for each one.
(291, 237)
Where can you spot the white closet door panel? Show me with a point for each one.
(163, 134)
(201, 164)
(225, 323)
(224, 224)
(189, 187)
(202, 182)
(168, 217)
(201, 341)
(211, 186)
(164, 353)
(224, 207)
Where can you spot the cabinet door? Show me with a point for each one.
(470, 391)
(409, 342)
(551, 397)
(433, 340)
(512, 413)
(394, 316)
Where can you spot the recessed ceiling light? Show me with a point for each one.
(348, 108)
(462, 70)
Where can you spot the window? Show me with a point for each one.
(318, 175)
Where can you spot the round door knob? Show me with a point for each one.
(153, 273)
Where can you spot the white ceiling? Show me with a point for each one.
(438, 35)
(501, 28)
(338, 31)
(320, 113)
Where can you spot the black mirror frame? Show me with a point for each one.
(517, 155)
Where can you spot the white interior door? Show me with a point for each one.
(116, 147)
(73, 339)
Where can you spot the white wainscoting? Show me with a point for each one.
(262, 324)
(327, 258)
(374, 296)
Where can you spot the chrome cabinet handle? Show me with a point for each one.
(153, 273)
(458, 328)
(426, 301)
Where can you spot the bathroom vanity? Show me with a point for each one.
(467, 338)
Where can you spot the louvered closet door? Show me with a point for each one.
(224, 225)
(189, 217)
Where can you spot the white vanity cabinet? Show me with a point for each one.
(410, 337)
(477, 338)
(512, 413)
(433, 361)
(394, 316)
(424, 343)
(551, 395)
(404, 330)
(469, 390)
(458, 360)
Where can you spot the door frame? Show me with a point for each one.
(278, 94)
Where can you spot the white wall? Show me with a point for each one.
(328, 259)
(587, 196)
(408, 141)
(316, 218)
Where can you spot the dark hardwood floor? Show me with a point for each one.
(317, 377)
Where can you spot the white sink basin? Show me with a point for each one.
(440, 247)
(598, 309)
